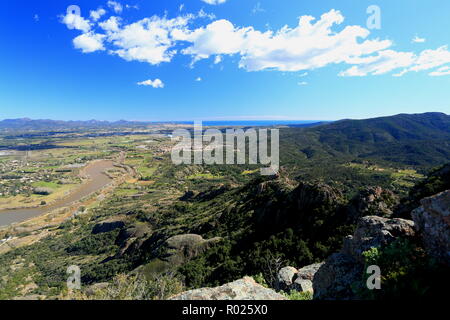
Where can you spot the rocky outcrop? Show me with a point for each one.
(375, 232)
(335, 278)
(181, 248)
(132, 238)
(243, 289)
(107, 226)
(286, 277)
(309, 196)
(289, 278)
(373, 201)
(432, 221)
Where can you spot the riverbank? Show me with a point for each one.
(96, 180)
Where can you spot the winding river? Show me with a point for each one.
(97, 181)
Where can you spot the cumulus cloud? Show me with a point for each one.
(157, 83)
(111, 25)
(116, 6)
(75, 21)
(148, 40)
(310, 44)
(307, 46)
(214, 2)
(89, 42)
(97, 14)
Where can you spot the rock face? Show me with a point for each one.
(315, 195)
(289, 278)
(374, 232)
(181, 248)
(373, 201)
(132, 238)
(243, 289)
(335, 277)
(432, 221)
(107, 226)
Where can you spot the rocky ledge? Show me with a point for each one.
(243, 289)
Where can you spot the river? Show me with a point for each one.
(97, 181)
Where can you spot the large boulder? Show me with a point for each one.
(336, 277)
(432, 221)
(375, 232)
(285, 278)
(243, 289)
(289, 278)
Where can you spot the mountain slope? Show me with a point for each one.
(410, 139)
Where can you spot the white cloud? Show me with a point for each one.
(148, 40)
(198, 79)
(429, 59)
(257, 8)
(157, 83)
(389, 60)
(97, 14)
(416, 39)
(128, 6)
(310, 44)
(181, 7)
(74, 21)
(89, 42)
(111, 25)
(384, 62)
(307, 46)
(214, 2)
(116, 6)
(443, 71)
(303, 83)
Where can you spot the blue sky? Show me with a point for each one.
(198, 61)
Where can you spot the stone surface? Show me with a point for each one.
(286, 277)
(289, 278)
(432, 221)
(107, 226)
(182, 248)
(374, 232)
(335, 278)
(303, 285)
(372, 201)
(243, 289)
(308, 272)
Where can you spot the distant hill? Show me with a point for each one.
(401, 127)
(45, 124)
(411, 139)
